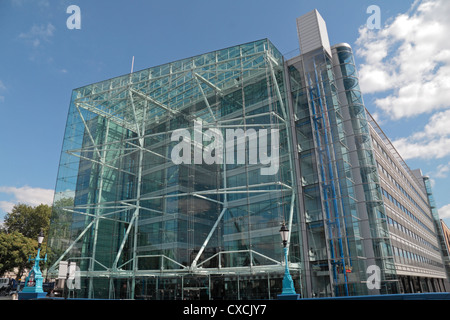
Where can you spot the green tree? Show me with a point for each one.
(28, 220)
(18, 239)
(15, 250)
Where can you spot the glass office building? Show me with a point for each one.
(174, 180)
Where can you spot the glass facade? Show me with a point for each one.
(174, 181)
(344, 213)
(127, 210)
(442, 247)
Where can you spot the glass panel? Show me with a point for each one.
(134, 197)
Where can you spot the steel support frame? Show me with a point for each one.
(139, 128)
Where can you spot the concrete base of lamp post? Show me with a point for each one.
(32, 295)
(294, 296)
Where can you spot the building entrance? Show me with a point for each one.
(212, 287)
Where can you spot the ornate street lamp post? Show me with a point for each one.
(288, 292)
(33, 283)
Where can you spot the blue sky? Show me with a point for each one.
(42, 61)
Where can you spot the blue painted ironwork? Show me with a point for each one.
(288, 283)
(327, 186)
(34, 280)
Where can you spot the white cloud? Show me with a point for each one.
(409, 60)
(444, 212)
(433, 142)
(26, 195)
(442, 170)
(438, 126)
(2, 88)
(6, 205)
(406, 66)
(427, 149)
(40, 3)
(38, 34)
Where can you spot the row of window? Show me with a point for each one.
(385, 154)
(404, 209)
(405, 230)
(407, 257)
(412, 200)
(381, 168)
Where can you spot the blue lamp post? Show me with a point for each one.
(33, 283)
(288, 292)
